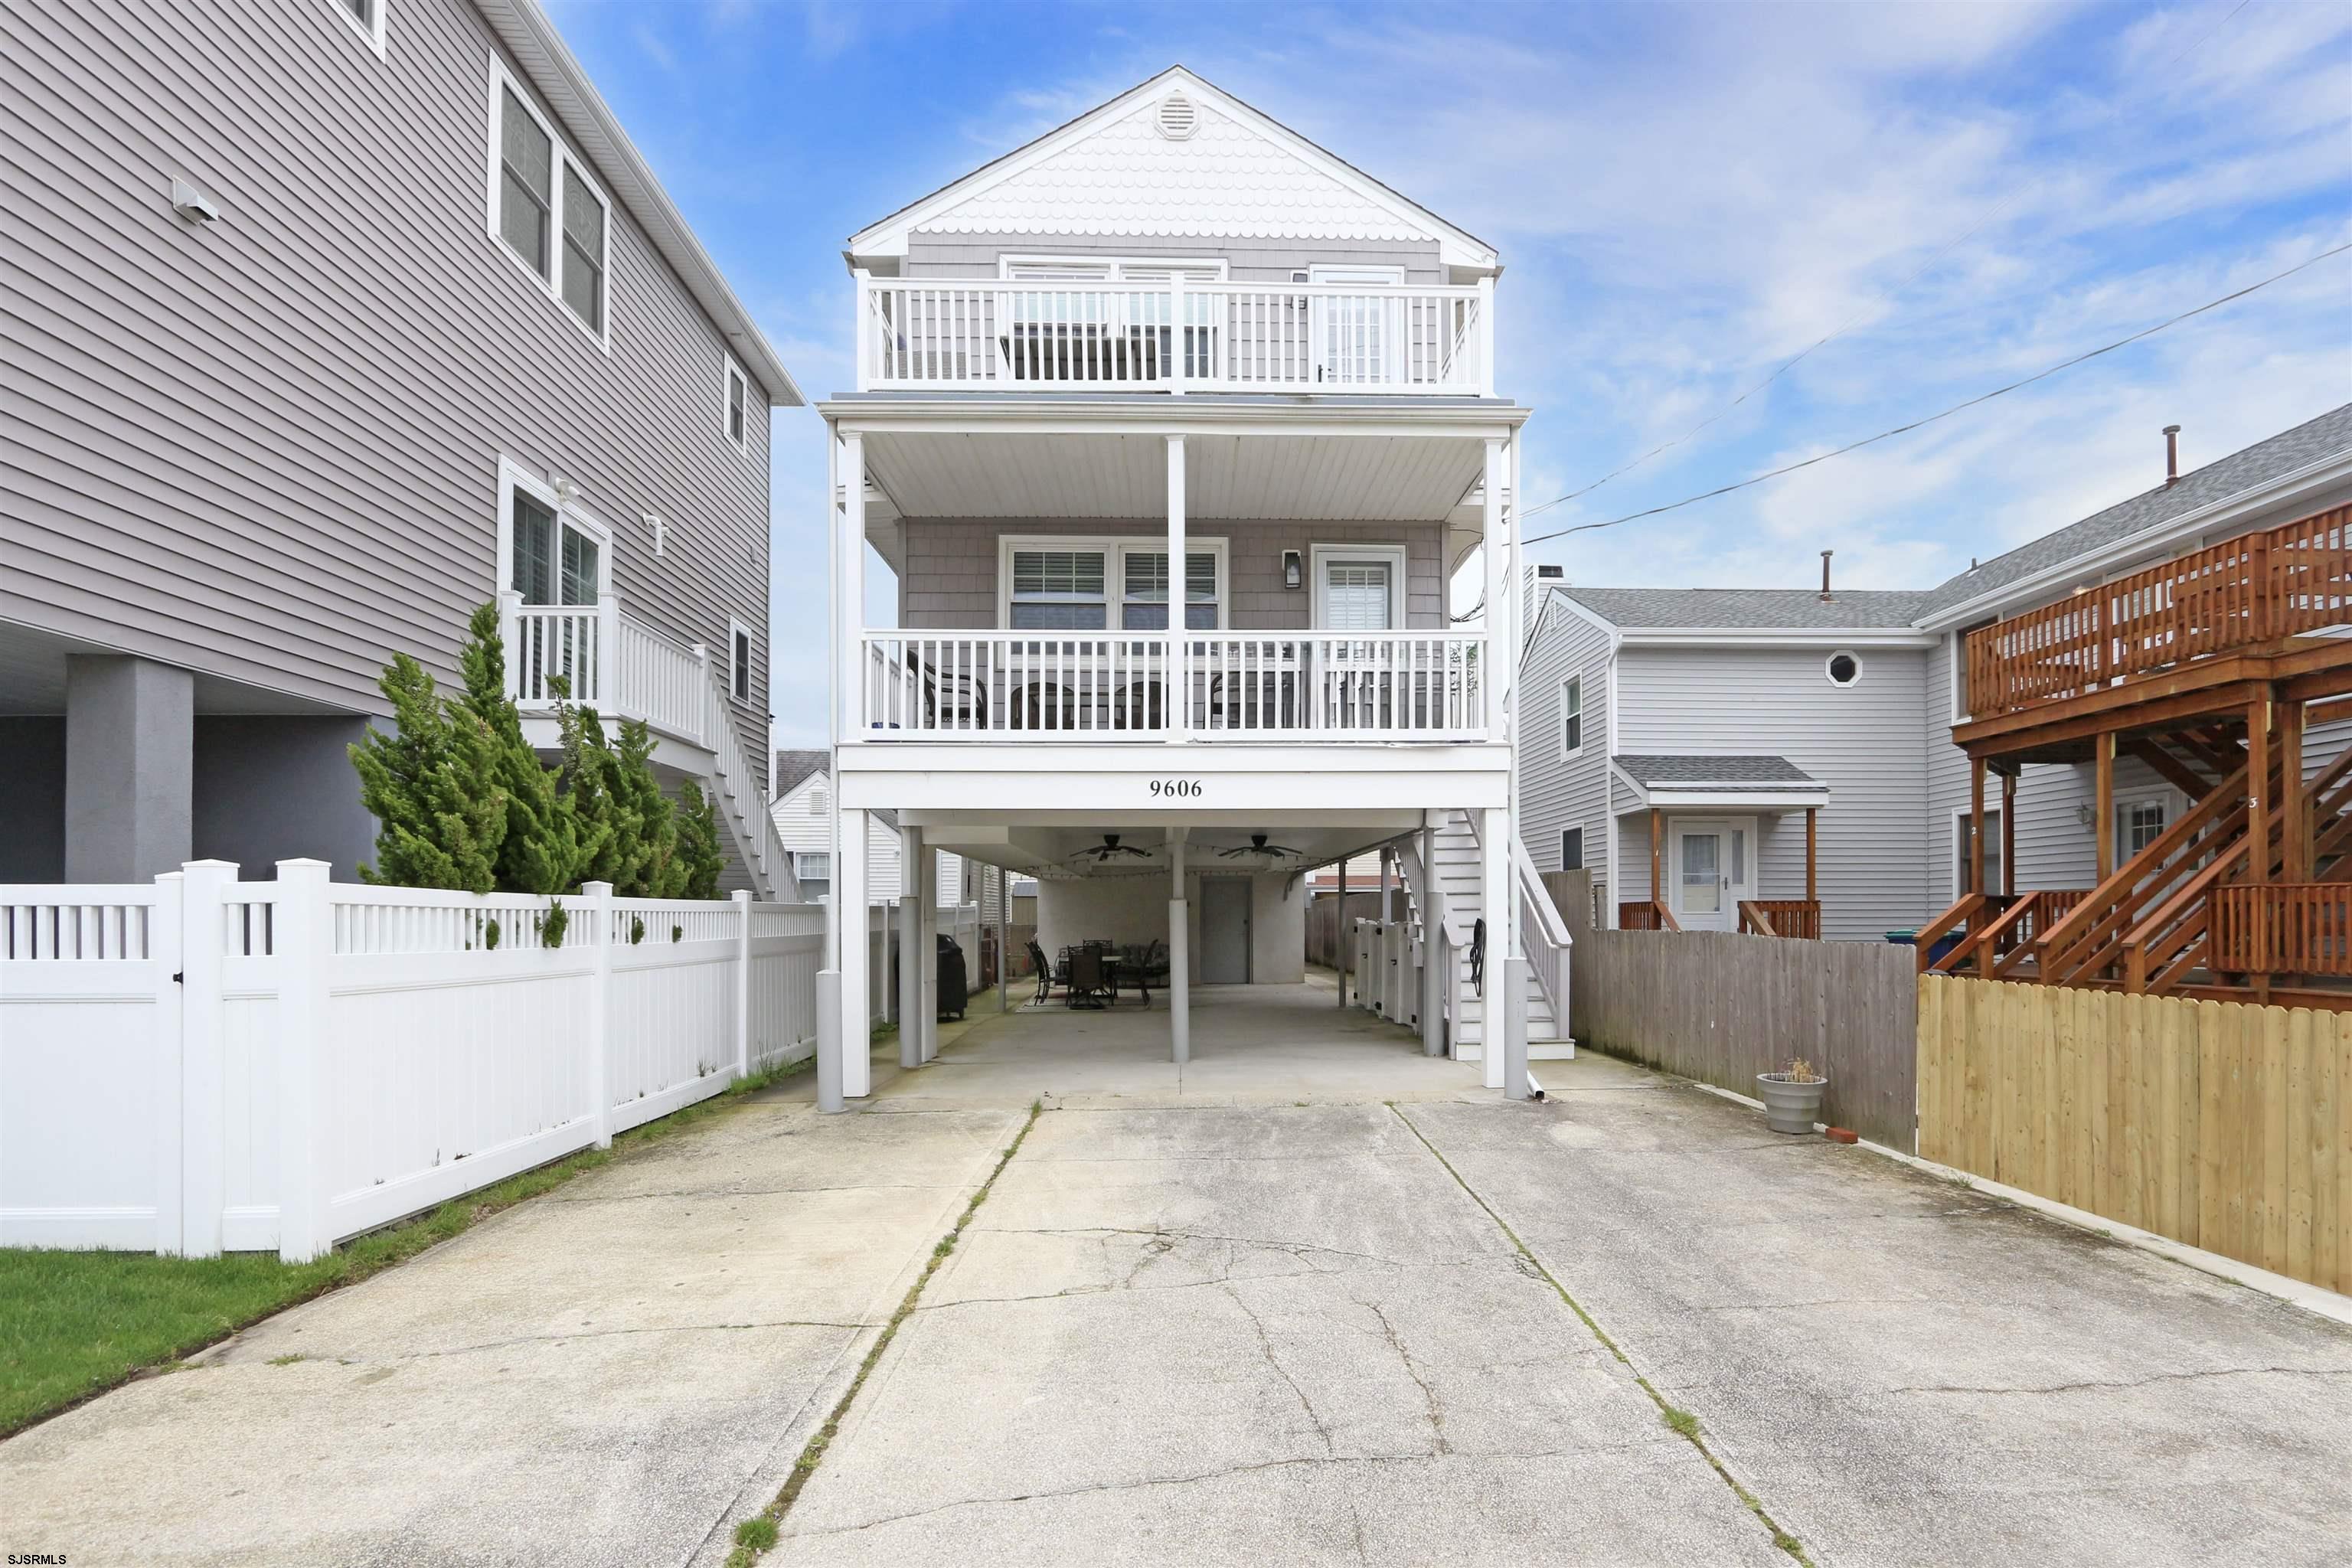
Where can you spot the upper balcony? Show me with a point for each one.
(1175, 335)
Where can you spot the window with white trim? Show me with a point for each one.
(734, 417)
(812, 869)
(1842, 668)
(551, 217)
(1143, 603)
(366, 17)
(2139, 824)
(1072, 585)
(1572, 849)
(1571, 716)
(739, 660)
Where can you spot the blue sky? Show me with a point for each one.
(1683, 197)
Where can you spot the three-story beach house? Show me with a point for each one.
(321, 324)
(1174, 428)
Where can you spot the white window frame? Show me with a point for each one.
(1581, 863)
(737, 629)
(2124, 800)
(1960, 815)
(371, 32)
(1115, 549)
(512, 478)
(1113, 267)
(1318, 554)
(1574, 683)
(1860, 669)
(561, 157)
(728, 378)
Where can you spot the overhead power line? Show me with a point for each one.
(1853, 321)
(1942, 413)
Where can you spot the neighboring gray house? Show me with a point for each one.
(322, 322)
(1728, 713)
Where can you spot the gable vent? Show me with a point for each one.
(1178, 118)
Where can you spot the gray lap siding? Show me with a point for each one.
(267, 449)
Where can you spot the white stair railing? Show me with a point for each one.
(1543, 934)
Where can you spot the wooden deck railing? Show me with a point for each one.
(1798, 918)
(1646, 914)
(2225, 599)
(2282, 928)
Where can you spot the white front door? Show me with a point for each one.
(1224, 930)
(1710, 872)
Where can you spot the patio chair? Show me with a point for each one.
(1087, 986)
(1141, 706)
(1044, 972)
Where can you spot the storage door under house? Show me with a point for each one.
(1224, 930)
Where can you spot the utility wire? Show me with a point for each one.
(1853, 321)
(1943, 414)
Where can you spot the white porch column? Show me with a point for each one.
(1003, 940)
(849, 591)
(910, 948)
(1494, 907)
(856, 945)
(1493, 673)
(1179, 959)
(1435, 961)
(927, 957)
(1179, 688)
(829, 1052)
(1346, 941)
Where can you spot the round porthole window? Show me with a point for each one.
(1844, 668)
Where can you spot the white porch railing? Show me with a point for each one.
(1000, 686)
(623, 669)
(1176, 336)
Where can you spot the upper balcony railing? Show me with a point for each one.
(2226, 598)
(1003, 688)
(1176, 336)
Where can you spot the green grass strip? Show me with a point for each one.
(1681, 1422)
(762, 1530)
(74, 1324)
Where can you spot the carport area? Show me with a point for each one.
(1250, 1044)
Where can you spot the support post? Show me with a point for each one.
(2295, 811)
(910, 947)
(856, 945)
(743, 983)
(1346, 941)
(2009, 833)
(2258, 830)
(828, 1041)
(1492, 675)
(596, 900)
(1175, 709)
(1494, 905)
(2103, 807)
(1812, 854)
(1976, 826)
(1515, 978)
(849, 602)
(302, 944)
(1180, 962)
(204, 1133)
(1435, 959)
(1003, 940)
(1657, 892)
(167, 952)
(927, 957)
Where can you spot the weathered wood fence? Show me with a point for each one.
(2222, 1125)
(1722, 1009)
(1323, 922)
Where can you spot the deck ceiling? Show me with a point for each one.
(1376, 477)
(1047, 851)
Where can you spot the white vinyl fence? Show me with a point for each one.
(201, 1065)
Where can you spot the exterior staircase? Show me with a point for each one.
(1454, 881)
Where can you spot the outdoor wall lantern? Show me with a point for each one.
(1292, 575)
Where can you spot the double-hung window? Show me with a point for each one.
(545, 209)
(1058, 590)
(1571, 716)
(1144, 606)
(367, 17)
(739, 660)
(733, 411)
(1099, 585)
(557, 561)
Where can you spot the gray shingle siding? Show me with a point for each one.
(267, 449)
(1247, 259)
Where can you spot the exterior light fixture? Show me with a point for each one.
(1293, 574)
(658, 528)
(567, 490)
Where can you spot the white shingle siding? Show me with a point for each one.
(1126, 178)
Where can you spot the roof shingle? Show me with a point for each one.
(1749, 772)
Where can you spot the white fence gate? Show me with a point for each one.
(202, 1064)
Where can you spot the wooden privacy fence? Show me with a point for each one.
(2219, 1124)
(1722, 1009)
(1325, 922)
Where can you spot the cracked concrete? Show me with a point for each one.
(1906, 1370)
(1317, 1349)
(610, 1373)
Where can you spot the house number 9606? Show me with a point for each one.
(1172, 789)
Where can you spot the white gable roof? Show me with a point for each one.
(1113, 170)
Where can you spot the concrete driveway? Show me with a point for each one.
(1190, 1327)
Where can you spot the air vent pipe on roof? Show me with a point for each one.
(2171, 456)
(1825, 574)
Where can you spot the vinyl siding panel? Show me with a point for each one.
(1776, 701)
(1556, 791)
(267, 449)
(1247, 259)
(948, 580)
